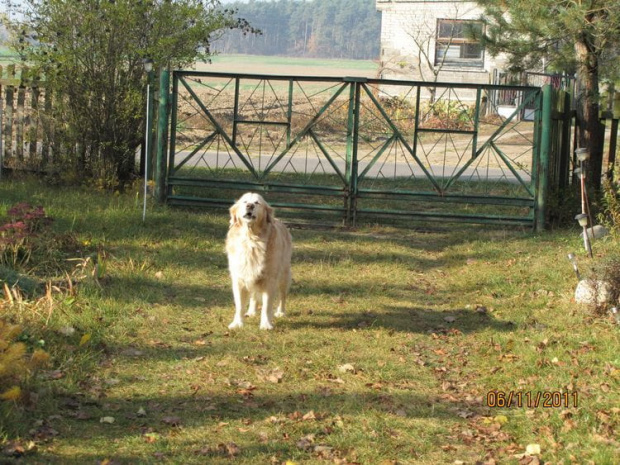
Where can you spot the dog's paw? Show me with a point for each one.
(235, 324)
(279, 314)
(251, 313)
(266, 325)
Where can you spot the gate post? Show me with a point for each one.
(542, 187)
(352, 144)
(162, 137)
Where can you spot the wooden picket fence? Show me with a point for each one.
(24, 141)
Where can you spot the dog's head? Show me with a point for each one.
(252, 210)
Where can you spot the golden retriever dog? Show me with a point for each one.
(259, 249)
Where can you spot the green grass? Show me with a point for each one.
(255, 61)
(385, 356)
(372, 198)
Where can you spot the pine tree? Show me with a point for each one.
(570, 36)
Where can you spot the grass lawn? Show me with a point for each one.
(259, 64)
(394, 339)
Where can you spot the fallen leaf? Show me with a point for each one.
(151, 437)
(108, 462)
(449, 319)
(273, 376)
(82, 415)
(309, 416)
(230, 448)
(13, 393)
(346, 368)
(171, 420)
(305, 442)
(18, 448)
(532, 449)
(85, 338)
(56, 374)
(67, 331)
(568, 425)
(323, 450)
(336, 380)
(131, 352)
(108, 420)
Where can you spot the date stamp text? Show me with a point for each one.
(532, 399)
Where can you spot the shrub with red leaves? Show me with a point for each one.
(20, 232)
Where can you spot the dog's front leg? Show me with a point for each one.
(266, 313)
(240, 295)
(253, 304)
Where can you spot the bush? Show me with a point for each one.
(446, 114)
(16, 364)
(28, 244)
(20, 235)
(562, 206)
(610, 215)
(606, 273)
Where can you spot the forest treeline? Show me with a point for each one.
(306, 28)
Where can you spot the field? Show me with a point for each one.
(422, 345)
(251, 64)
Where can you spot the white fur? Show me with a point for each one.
(259, 249)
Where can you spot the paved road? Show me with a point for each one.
(387, 170)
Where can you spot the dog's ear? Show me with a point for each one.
(234, 219)
(269, 213)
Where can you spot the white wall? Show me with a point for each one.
(406, 24)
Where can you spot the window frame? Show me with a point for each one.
(463, 43)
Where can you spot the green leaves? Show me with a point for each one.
(531, 31)
(90, 54)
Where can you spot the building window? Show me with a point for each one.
(454, 45)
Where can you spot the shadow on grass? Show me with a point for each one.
(273, 423)
(405, 319)
(216, 342)
(142, 290)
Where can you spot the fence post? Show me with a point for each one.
(349, 155)
(20, 119)
(162, 137)
(9, 102)
(613, 141)
(565, 150)
(352, 142)
(149, 138)
(542, 188)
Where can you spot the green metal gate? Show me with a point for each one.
(358, 149)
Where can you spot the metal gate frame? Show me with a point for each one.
(351, 191)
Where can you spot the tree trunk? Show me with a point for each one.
(591, 132)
